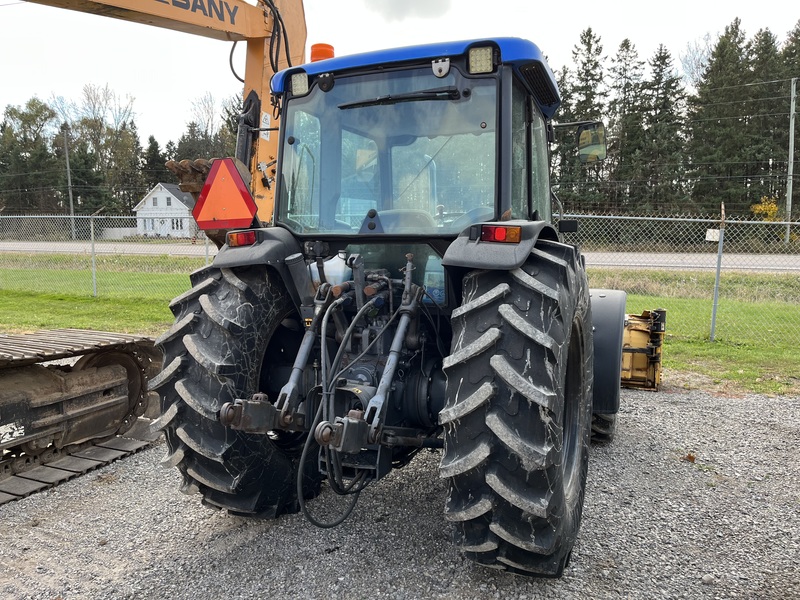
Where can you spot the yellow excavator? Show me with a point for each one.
(94, 384)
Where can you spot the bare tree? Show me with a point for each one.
(65, 109)
(206, 115)
(694, 60)
(103, 104)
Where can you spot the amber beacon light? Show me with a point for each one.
(321, 52)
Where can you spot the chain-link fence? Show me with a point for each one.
(737, 281)
(101, 255)
(740, 283)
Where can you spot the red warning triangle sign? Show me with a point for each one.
(225, 202)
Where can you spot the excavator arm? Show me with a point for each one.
(228, 20)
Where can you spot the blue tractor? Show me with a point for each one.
(412, 291)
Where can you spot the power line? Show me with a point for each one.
(751, 84)
(742, 100)
(737, 117)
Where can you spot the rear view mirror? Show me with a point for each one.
(591, 138)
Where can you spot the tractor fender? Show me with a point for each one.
(468, 251)
(273, 245)
(608, 320)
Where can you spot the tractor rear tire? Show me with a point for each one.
(518, 412)
(235, 333)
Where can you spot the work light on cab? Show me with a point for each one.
(481, 60)
(299, 84)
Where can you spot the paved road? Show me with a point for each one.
(749, 262)
(651, 260)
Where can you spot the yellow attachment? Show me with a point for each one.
(642, 342)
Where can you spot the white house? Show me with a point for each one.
(165, 212)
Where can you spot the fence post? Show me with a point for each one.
(94, 263)
(790, 172)
(719, 268)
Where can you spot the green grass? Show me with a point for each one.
(758, 319)
(49, 291)
(758, 359)
(31, 311)
(146, 286)
(747, 287)
(756, 368)
(146, 277)
(114, 263)
(757, 326)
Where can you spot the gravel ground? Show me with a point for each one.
(697, 497)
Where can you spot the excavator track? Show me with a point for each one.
(22, 478)
(71, 400)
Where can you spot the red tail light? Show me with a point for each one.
(241, 238)
(501, 233)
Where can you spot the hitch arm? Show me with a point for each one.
(376, 409)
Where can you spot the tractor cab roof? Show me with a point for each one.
(522, 55)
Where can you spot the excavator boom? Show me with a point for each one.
(229, 20)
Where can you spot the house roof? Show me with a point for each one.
(184, 198)
(174, 190)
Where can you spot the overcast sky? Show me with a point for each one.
(48, 51)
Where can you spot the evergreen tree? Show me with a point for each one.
(27, 160)
(764, 168)
(719, 128)
(194, 143)
(153, 169)
(231, 108)
(579, 186)
(89, 189)
(224, 143)
(790, 53)
(170, 150)
(626, 131)
(124, 176)
(588, 92)
(663, 151)
(790, 56)
(563, 154)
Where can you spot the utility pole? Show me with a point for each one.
(790, 171)
(69, 181)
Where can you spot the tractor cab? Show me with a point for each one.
(422, 143)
